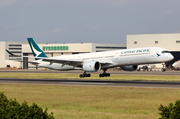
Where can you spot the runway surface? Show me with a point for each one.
(87, 82)
(150, 84)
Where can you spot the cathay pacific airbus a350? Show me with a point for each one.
(127, 59)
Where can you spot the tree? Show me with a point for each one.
(172, 111)
(11, 109)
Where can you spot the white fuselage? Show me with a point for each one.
(115, 58)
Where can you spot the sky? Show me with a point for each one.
(87, 21)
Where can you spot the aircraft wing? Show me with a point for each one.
(33, 57)
(106, 62)
(64, 61)
(73, 62)
(32, 62)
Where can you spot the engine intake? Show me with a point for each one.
(91, 66)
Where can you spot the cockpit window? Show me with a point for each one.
(165, 51)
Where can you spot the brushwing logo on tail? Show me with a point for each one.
(36, 52)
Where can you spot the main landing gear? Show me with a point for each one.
(84, 75)
(104, 74)
(163, 69)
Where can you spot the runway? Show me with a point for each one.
(87, 82)
(149, 84)
(80, 72)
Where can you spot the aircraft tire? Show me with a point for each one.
(163, 69)
(84, 75)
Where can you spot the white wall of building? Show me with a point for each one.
(167, 41)
(75, 47)
(5, 59)
(2, 54)
(13, 64)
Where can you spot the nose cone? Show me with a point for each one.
(170, 57)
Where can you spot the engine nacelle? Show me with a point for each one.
(91, 66)
(129, 68)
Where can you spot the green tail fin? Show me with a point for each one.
(37, 52)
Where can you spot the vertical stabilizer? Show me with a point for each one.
(10, 53)
(37, 52)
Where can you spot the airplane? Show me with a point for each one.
(11, 54)
(127, 59)
(176, 64)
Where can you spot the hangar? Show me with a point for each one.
(51, 49)
(169, 41)
(10, 61)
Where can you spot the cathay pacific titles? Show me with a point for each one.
(136, 51)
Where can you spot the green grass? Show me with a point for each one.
(93, 102)
(87, 102)
(93, 76)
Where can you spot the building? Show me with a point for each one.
(51, 49)
(6, 60)
(170, 42)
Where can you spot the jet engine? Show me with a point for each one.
(91, 66)
(129, 68)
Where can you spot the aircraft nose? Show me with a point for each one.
(171, 57)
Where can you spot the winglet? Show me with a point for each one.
(37, 52)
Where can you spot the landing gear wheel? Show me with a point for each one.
(101, 75)
(108, 74)
(81, 76)
(88, 75)
(104, 74)
(163, 69)
(84, 75)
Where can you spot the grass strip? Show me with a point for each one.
(89, 102)
(93, 76)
